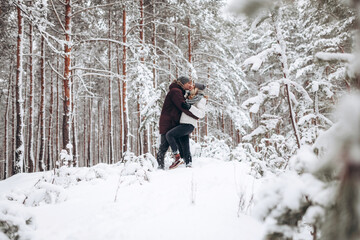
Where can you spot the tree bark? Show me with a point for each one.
(153, 40)
(31, 100)
(19, 151)
(84, 139)
(89, 157)
(50, 162)
(110, 126)
(142, 41)
(67, 107)
(283, 60)
(189, 44)
(42, 107)
(121, 120)
(98, 132)
(57, 134)
(124, 91)
(74, 124)
(6, 154)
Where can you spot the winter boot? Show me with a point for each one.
(160, 160)
(177, 162)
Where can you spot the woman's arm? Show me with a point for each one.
(177, 98)
(199, 109)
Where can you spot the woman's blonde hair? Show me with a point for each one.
(194, 92)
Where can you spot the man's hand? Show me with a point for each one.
(186, 105)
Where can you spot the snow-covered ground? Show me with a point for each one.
(185, 203)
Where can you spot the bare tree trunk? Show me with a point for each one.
(169, 67)
(142, 41)
(42, 108)
(189, 44)
(84, 140)
(37, 142)
(49, 161)
(283, 60)
(121, 118)
(67, 107)
(124, 91)
(31, 86)
(175, 42)
(98, 131)
(104, 139)
(13, 142)
(89, 157)
(57, 134)
(153, 40)
(222, 122)
(6, 154)
(74, 125)
(111, 143)
(19, 152)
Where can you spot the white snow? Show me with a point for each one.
(202, 202)
(347, 57)
(246, 6)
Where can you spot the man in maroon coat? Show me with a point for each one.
(171, 113)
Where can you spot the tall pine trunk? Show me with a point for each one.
(49, 161)
(19, 151)
(110, 126)
(42, 108)
(31, 102)
(74, 124)
(57, 133)
(6, 154)
(89, 157)
(124, 90)
(121, 136)
(67, 107)
(153, 40)
(189, 44)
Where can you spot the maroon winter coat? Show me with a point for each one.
(171, 110)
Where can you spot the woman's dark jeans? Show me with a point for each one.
(178, 139)
(181, 142)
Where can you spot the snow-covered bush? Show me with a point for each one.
(66, 176)
(322, 190)
(269, 153)
(272, 147)
(295, 200)
(216, 148)
(246, 153)
(16, 223)
(65, 157)
(195, 148)
(136, 168)
(41, 193)
(45, 193)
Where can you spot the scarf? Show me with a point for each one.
(195, 99)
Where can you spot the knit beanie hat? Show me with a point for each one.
(200, 86)
(183, 80)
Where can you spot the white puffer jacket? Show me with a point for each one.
(198, 109)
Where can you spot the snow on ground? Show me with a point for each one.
(185, 203)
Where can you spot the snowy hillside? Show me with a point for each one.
(208, 201)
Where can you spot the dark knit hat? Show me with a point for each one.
(183, 80)
(200, 86)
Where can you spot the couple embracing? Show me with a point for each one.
(184, 104)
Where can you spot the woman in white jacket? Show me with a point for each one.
(179, 135)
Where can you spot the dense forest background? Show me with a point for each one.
(83, 82)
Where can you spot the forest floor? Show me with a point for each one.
(208, 201)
